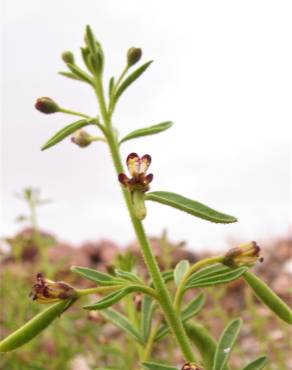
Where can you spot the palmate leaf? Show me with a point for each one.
(225, 344)
(193, 308)
(98, 277)
(130, 79)
(151, 130)
(257, 364)
(156, 366)
(221, 277)
(190, 206)
(66, 131)
(123, 323)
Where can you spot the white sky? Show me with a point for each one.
(222, 73)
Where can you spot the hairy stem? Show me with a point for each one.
(151, 263)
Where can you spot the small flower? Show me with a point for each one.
(46, 105)
(81, 138)
(191, 366)
(243, 255)
(133, 56)
(137, 168)
(48, 291)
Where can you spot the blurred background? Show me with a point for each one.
(222, 73)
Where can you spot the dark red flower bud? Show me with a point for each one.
(245, 254)
(191, 366)
(47, 105)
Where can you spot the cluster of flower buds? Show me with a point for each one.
(47, 105)
(243, 255)
(48, 291)
(191, 366)
(81, 138)
(133, 56)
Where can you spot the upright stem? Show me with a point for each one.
(173, 320)
(151, 263)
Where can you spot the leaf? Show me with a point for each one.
(65, 132)
(220, 278)
(79, 73)
(129, 276)
(34, 327)
(151, 130)
(113, 298)
(91, 41)
(156, 366)
(130, 79)
(187, 313)
(203, 341)
(147, 310)
(111, 86)
(190, 206)
(268, 297)
(180, 270)
(98, 277)
(226, 343)
(70, 75)
(123, 323)
(194, 307)
(257, 364)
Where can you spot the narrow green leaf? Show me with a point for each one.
(111, 86)
(151, 130)
(130, 79)
(147, 310)
(90, 39)
(220, 278)
(193, 307)
(268, 297)
(180, 270)
(113, 298)
(203, 341)
(209, 271)
(190, 206)
(78, 72)
(65, 132)
(226, 343)
(257, 364)
(70, 75)
(123, 323)
(98, 277)
(188, 312)
(156, 366)
(34, 327)
(129, 276)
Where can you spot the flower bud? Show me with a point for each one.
(133, 56)
(48, 291)
(46, 105)
(245, 254)
(68, 57)
(81, 138)
(191, 366)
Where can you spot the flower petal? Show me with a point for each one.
(123, 179)
(145, 162)
(133, 164)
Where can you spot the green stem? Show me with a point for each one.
(97, 290)
(151, 263)
(197, 266)
(73, 113)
